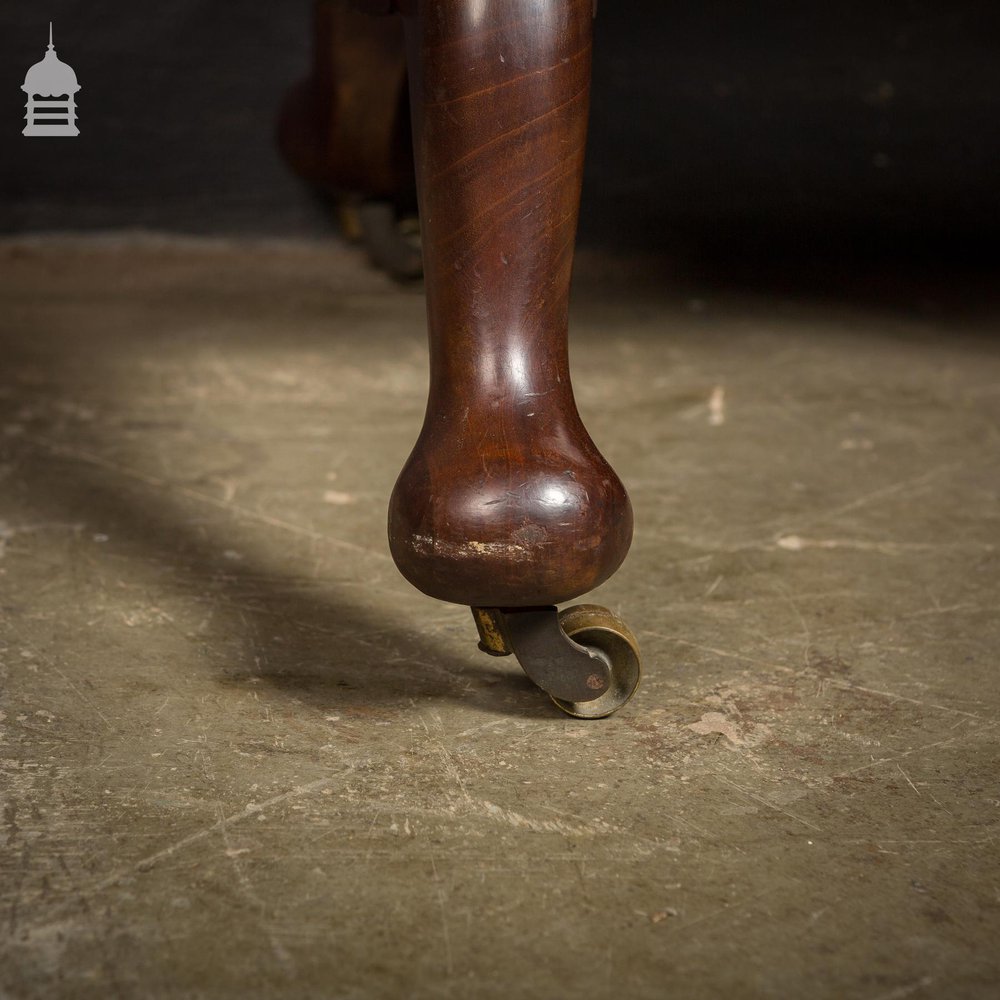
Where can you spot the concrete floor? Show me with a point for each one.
(242, 758)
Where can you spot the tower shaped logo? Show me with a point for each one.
(51, 88)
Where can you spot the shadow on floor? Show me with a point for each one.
(328, 639)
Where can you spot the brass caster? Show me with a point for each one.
(390, 238)
(585, 657)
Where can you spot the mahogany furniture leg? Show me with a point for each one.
(345, 129)
(505, 503)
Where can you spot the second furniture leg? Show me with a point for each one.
(505, 502)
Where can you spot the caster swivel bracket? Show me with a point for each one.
(590, 678)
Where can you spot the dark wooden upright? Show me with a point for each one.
(505, 500)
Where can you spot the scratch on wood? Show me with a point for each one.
(281, 953)
(904, 991)
(768, 803)
(253, 809)
(442, 900)
(846, 686)
(238, 510)
(908, 781)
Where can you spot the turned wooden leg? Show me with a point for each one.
(505, 502)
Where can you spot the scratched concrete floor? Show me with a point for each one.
(242, 758)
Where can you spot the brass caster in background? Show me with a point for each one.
(585, 657)
(391, 239)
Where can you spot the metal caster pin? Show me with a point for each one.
(585, 657)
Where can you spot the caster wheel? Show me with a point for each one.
(602, 630)
(391, 241)
(393, 244)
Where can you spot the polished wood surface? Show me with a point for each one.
(505, 499)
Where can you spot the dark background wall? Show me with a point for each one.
(176, 116)
(796, 124)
